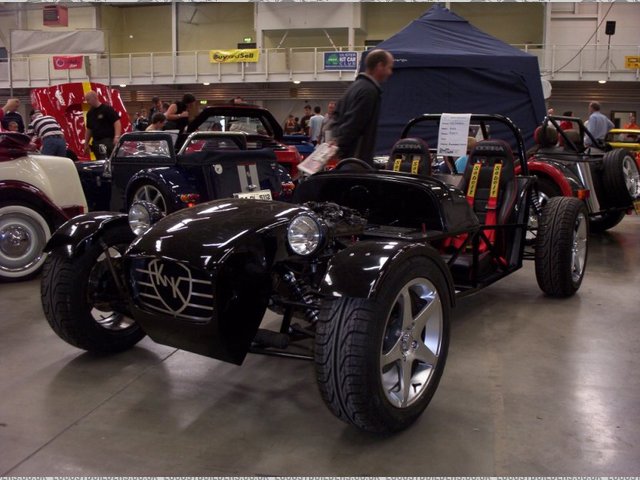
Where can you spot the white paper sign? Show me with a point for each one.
(453, 134)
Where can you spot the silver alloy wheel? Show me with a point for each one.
(107, 319)
(631, 176)
(23, 235)
(411, 343)
(151, 194)
(579, 248)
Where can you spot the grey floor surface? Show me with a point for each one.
(533, 386)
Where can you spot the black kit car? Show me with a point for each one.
(210, 165)
(605, 178)
(364, 267)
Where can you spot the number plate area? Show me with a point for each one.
(257, 195)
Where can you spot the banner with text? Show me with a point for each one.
(66, 62)
(340, 60)
(234, 56)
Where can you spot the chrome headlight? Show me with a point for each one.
(142, 215)
(306, 234)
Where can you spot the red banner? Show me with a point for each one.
(67, 62)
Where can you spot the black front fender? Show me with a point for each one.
(74, 236)
(359, 270)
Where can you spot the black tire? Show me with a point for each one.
(24, 232)
(562, 246)
(353, 334)
(69, 304)
(154, 193)
(606, 220)
(620, 178)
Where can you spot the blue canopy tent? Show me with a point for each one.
(445, 64)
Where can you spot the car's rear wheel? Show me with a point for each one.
(151, 193)
(562, 246)
(606, 220)
(620, 177)
(78, 293)
(379, 362)
(23, 234)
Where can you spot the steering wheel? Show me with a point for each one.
(353, 165)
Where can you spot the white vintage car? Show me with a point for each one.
(38, 193)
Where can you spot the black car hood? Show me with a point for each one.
(204, 235)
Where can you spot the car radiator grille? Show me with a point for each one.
(172, 288)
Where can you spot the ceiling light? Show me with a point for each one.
(206, 84)
(297, 82)
(123, 85)
(130, 36)
(602, 81)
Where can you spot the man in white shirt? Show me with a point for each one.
(598, 124)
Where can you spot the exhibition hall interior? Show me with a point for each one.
(271, 238)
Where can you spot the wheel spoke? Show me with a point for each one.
(425, 355)
(405, 376)
(429, 311)
(405, 304)
(392, 355)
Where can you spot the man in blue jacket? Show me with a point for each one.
(356, 115)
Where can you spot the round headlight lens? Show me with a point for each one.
(142, 215)
(304, 235)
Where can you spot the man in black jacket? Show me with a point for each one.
(356, 115)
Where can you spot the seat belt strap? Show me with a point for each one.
(473, 184)
(492, 204)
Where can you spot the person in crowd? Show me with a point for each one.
(357, 112)
(13, 126)
(598, 125)
(461, 162)
(304, 121)
(566, 124)
(550, 111)
(632, 122)
(156, 107)
(142, 121)
(103, 127)
(181, 112)
(11, 114)
(290, 126)
(165, 107)
(238, 100)
(48, 130)
(298, 126)
(315, 125)
(157, 122)
(325, 132)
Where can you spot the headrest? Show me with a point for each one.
(546, 136)
(410, 155)
(410, 145)
(492, 149)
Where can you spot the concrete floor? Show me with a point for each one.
(533, 386)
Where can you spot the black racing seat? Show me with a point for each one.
(410, 155)
(489, 153)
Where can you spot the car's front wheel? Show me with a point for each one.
(78, 296)
(379, 362)
(562, 246)
(23, 234)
